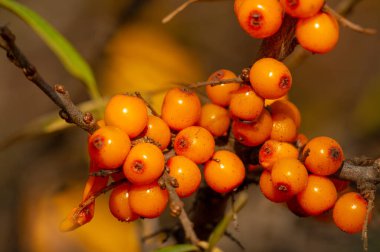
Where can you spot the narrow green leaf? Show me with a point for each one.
(219, 230)
(70, 58)
(178, 248)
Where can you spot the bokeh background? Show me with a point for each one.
(42, 178)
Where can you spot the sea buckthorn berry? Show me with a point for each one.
(159, 131)
(181, 108)
(215, 119)
(93, 185)
(270, 78)
(349, 212)
(319, 195)
(148, 201)
(128, 113)
(119, 204)
(254, 133)
(273, 150)
(301, 141)
(224, 172)
(144, 164)
(108, 147)
(187, 174)
(195, 143)
(288, 108)
(302, 8)
(246, 104)
(221, 94)
(269, 191)
(260, 18)
(289, 175)
(323, 156)
(295, 207)
(101, 123)
(268, 102)
(318, 34)
(284, 128)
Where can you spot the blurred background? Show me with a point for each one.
(42, 178)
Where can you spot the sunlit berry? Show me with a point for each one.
(284, 128)
(273, 150)
(288, 108)
(270, 191)
(119, 204)
(215, 119)
(159, 131)
(246, 104)
(221, 94)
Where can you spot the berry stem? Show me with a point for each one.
(179, 9)
(215, 82)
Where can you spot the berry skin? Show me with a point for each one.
(237, 5)
(159, 131)
(302, 8)
(195, 143)
(108, 147)
(187, 174)
(148, 201)
(181, 108)
(144, 164)
(288, 108)
(273, 150)
(254, 133)
(284, 128)
(246, 104)
(318, 34)
(269, 191)
(324, 156)
(221, 94)
(301, 141)
(289, 175)
(215, 119)
(119, 204)
(349, 212)
(319, 195)
(224, 172)
(101, 123)
(129, 113)
(270, 78)
(260, 18)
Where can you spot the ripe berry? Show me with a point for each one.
(221, 94)
(302, 8)
(273, 150)
(270, 78)
(269, 190)
(324, 156)
(237, 5)
(108, 147)
(224, 172)
(148, 201)
(187, 174)
(288, 108)
(349, 212)
(159, 131)
(128, 113)
(260, 18)
(301, 141)
(195, 143)
(284, 128)
(253, 133)
(319, 195)
(215, 119)
(101, 123)
(181, 108)
(144, 164)
(246, 104)
(319, 33)
(119, 204)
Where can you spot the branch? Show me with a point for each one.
(215, 82)
(179, 9)
(58, 94)
(354, 172)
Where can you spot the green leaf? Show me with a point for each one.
(70, 58)
(218, 232)
(178, 248)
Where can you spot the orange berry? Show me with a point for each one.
(302, 8)
(268, 102)
(273, 150)
(284, 128)
(108, 147)
(288, 108)
(319, 195)
(93, 185)
(215, 119)
(237, 5)
(253, 133)
(289, 175)
(119, 204)
(270, 78)
(181, 108)
(246, 104)
(349, 212)
(260, 18)
(101, 123)
(270, 191)
(324, 156)
(187, 174)
(159, 131)
(319, 33)
(148, 201)
(224, 172)
(195, 143)
(144, 164)
(128, 113)
(221, 94)
(301, 141)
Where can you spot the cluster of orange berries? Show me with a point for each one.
(316, 30)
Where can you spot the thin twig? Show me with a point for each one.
(180, 8)
(152, 110)
(105, 173)
(370, 207)
(216, 82)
